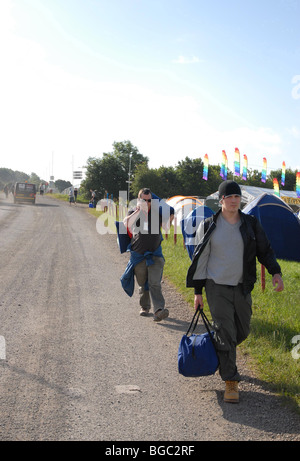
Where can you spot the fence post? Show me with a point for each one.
(263, 277)
(175, 230)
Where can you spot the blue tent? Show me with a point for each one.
(280, 224)
(190, 224)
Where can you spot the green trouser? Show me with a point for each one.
(153, 275)
(231, 313)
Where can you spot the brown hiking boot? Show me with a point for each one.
(160, 315)
(231, 394)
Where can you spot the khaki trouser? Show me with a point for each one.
(231, 313)
(153, 274)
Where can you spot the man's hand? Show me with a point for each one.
(142, 205)
(198, 299)
(277, 282)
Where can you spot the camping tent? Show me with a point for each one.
(190, 224)
(250, 193)
(280, 224)
(183, 205)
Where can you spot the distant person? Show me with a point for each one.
(224, 262)
(93, 197)
(75, 194)
(6, 190)
(71, 196)
(147, 260)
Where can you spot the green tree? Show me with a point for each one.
(290, 178)
(146, 177)
(169, 182)
(61, 185)
(8, 176)
(109, 174)
(190, 175)
(35, 179)
(185, 179)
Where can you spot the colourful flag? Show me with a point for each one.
(298, 184)
(224, 164)
(237, 162)
(276, 186)
(205, 168)
(245, 167)
(264, 170)
(283, 174)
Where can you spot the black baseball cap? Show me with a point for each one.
(229, 188)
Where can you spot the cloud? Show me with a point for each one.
(294, 132)
(187, 60)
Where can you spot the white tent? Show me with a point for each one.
(250, 193)
(183, 205)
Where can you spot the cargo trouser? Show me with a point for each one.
(231, 313)
(153, 275)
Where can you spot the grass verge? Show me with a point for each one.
(65, 198)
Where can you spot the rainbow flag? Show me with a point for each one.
(276, 186)
(264, 170)
(298, 184)
(283, 174)
(205, 168)
(224, 165)
(237, 162)
(245, 166)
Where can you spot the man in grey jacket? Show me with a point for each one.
(224, 262)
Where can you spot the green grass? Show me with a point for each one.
(275, 321)
(65, 197)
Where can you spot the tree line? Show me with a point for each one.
(10, 177)
(110, 174)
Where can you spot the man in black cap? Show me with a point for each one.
(224, 262)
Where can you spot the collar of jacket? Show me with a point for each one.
(245, 224)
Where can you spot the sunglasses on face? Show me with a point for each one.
(147, 200)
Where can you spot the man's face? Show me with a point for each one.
(147, 199)
(231, 203)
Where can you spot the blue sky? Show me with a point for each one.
(175, 77)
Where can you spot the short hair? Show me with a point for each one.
(145, 191)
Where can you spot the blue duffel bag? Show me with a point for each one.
(197, 355)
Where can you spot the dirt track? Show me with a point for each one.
(81, 364)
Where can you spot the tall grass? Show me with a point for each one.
(275, 321)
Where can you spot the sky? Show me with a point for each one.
(177, 78)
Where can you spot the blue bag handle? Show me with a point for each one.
(206, 322)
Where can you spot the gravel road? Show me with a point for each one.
(81, 364)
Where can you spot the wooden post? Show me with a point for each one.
(263, 277)
(175, 230)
